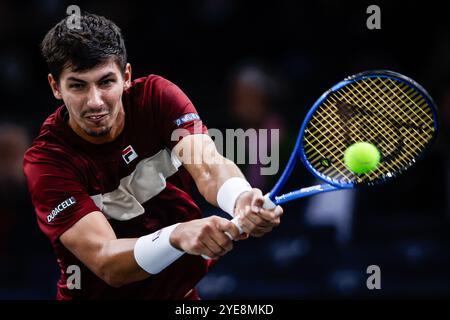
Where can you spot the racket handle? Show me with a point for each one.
(268, 204)
(235, 222)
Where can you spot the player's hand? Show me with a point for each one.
(205, 236)
(253, 219)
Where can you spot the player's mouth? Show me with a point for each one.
(96, 118)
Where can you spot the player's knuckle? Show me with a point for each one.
(201, 234)
(222, 243)
(207, 228)
(257, 191)
(196, 247)
(212, 220)
(219, 252)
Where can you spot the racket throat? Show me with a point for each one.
(309, 191)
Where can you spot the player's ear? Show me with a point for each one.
(127, 76)
(54, 86)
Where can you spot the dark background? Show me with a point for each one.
(298, 49)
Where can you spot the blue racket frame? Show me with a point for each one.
(298, 152)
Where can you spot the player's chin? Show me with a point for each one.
(98, 131)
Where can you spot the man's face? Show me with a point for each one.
(94, 99)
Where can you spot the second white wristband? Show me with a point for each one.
(153, 252)
(228, 193)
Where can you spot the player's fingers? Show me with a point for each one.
(259, 224)
(271, 215)
(229, 228)
(213, 246)
(257, 220)
(249, 212)
(260, 231)
(204, 249)
(255, 230)
(224, 233)
(265, 218)
(274, 222)
(214, 238)
(245, 223)
(242, 236)
(257, 200)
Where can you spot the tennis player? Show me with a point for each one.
(111, 185)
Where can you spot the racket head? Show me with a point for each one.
(382, 107)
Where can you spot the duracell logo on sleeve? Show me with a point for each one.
(60, 207)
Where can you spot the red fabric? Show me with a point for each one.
(60, 166)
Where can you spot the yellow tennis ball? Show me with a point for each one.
(362, 157)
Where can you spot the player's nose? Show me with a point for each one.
(94, 98)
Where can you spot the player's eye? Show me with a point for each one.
(107, 82)
(76, 86)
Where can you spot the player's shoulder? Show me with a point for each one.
(150, 83)
(49, 147)
(154, 92)
(49, 158)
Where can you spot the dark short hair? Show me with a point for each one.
(98, 40)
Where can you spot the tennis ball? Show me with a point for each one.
(361, 157)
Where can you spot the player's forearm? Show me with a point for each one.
(118, 265)
(214, 177)
(209, 169)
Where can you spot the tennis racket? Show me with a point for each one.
(385, 108)
(381, 107)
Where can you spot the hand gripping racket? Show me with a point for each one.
(381, 107)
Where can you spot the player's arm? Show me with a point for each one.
(92, 240)
(121, 261)
(222, 184)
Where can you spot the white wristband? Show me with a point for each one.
(154, 252)
(230, 191)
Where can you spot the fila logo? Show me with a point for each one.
(60, 207)
(128, 154)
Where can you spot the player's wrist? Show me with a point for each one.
(229, 193)
(174, 238)
(155, 252)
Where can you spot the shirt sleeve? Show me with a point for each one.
(59, 197)
(176, 115)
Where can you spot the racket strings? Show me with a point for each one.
(377, 129)
(335, 149)
(356, 134)
(395, 105)
(416, 119)
(386, 112)
(360, 134)
(392, 100)
(383, 119)
(387, 129)
(408, 147)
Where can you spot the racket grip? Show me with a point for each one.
(268, 204)
(236, 223)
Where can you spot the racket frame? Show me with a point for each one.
(298, 152)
